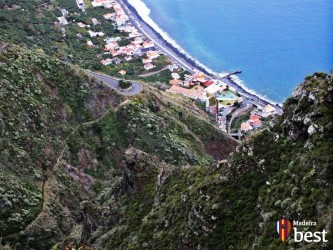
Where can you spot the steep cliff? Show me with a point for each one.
(64, 138)
(82, 166)
(283, 172)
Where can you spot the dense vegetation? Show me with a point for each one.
(62, 146)
(34, 24)
(81, 165)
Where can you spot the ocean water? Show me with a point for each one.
(275, 43)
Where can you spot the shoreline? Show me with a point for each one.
(179, 56)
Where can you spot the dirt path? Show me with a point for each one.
(153, 73)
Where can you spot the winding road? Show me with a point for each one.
(114, 83)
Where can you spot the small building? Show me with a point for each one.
(188, 78)
(121, 20)
(173, 67)
(254, 118)
(108, 16)
(112, 39)
(268, 110)
(196, 93)
(175, 76)
(122, 72)
(81, 25)
(90, 44)
(134, 33)
(107, 5)
(129, 28)
(199, 77)
(245, 127)
(95, 34)
(95, 21)
(127, 51)
(128, 58)
(138, 40)
(148, 66)
(152, 54)
(213, 87)
(148, 45)
(146, 60)
(62, 20)
(118, 9)
(110, 46)
(257, 124)
(176, 82)
(117, 60)
(80, 4)
(106, 62)
(115, 52)
(100, 3)
(208, 83)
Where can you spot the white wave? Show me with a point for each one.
(144, 13)
(239, 82)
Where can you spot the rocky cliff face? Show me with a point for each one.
(283, 172)
(75, 155)
(82, 166)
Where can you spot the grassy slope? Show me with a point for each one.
(63, 140)
(282, 172)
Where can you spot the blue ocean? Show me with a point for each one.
(275, 43)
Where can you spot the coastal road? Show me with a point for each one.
(144, 29)
(184, 62)
(114, 83)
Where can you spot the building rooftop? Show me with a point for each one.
(246, 126)
(175, 82)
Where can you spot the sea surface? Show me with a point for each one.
(275, 43)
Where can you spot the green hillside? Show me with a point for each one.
(82, 165)
(63, 143)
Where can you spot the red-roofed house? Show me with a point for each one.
(208, 83)
(254, 118)
(115, 52)
(196, 93)
(175, 82)
(257, 124)
(245, 127)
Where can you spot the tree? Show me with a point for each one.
(124, 84)
(237, 104)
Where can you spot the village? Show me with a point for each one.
(222, 101)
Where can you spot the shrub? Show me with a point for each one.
(124, 84)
